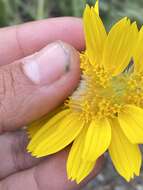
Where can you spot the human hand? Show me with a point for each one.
(31, 86)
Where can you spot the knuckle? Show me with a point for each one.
(7, 92)
(18, 151)
(4, 186)
(14, 90)
(36, 180)
(20, 158)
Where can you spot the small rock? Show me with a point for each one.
(120, 188)
(139, 187)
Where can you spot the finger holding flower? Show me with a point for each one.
(106, 110)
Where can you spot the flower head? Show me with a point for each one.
(106, 110)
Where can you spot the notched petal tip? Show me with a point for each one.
(96, 7)
(77, 168)
(87, 8)
(95, 35)
(97, 140)
(126, 156)
(138, 53)
(119, 46)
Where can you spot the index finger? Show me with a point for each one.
(22, 40)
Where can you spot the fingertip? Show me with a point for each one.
(41, 83)
(67, 29)
(74, 67)
(68, 82)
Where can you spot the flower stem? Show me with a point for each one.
(40, 9)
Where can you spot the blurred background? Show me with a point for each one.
(19, 11)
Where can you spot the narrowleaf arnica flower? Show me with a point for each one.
(106, 110)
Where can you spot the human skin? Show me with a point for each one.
(27, 93)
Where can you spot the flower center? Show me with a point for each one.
(101, 95)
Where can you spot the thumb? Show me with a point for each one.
(33, 86)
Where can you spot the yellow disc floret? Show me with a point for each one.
(102, 95)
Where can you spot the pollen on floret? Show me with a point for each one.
(102, 95)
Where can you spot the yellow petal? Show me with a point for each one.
(119, 47)
(138, 57)
(54, 121)
(131, 121)
(96, 7)
(97, 139)
(77, 168)
(34, 127)
(126, 157)
(95, 35)
(135, 31)
(52, 138)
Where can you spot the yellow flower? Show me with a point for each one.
(106, 111)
